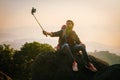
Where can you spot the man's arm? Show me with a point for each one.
(78, 41)
(53, 34)
(47, 33)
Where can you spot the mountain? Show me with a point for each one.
(95, 46)
(111, 58)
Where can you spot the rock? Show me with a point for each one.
(3, 76)
(58, 66)
(109, 73)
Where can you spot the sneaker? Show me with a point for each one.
(75, 66)
(91, 67)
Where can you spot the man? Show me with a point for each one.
(70, 41)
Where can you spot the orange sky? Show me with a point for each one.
(95, 20)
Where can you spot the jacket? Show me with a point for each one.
(71, 38)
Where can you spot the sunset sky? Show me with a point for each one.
(95, 20)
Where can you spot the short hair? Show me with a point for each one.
(70, 21)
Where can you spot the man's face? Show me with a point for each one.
(69, 25)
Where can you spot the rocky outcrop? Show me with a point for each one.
(3, 76)
(58, 66)
(109, 73)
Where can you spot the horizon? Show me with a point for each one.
(90, 46)
(95, 21)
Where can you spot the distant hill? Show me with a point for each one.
(107, 56)
(92, 46)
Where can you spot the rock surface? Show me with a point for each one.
(3, 76)
(58, 66)
(109, 73)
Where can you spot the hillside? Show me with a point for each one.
(107, 56)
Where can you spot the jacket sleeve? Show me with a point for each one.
(56, 34)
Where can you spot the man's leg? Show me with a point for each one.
(67, 49)
(81, 47)
(88, 63)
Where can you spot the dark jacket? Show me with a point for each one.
(71, 38)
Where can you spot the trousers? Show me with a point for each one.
(76, 48)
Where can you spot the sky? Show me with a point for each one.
(95, 20)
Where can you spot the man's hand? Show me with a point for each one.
(45, 33)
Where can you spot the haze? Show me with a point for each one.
(95, 20)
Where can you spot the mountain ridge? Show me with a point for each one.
(111, 58)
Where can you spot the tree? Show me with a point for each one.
(6, 59)
(30, 50)
(24, 58)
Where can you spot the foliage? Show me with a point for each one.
(17, 64)
(6, 58)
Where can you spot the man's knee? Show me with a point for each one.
(65, 46)
(79, 48)
(83, 45)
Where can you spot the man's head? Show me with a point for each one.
(69, 24)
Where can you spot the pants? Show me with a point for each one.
(76, 48)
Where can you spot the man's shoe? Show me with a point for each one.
(75, 66)
(91, 67)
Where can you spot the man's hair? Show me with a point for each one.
(70, 21)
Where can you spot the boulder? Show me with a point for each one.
(3, 76)
(58, 66)
(109, 73)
